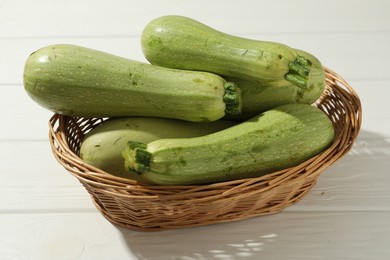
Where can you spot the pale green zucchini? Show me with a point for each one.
(276, 139)
(78, 81)
(102, 147)
(257, 98)
(183, 43)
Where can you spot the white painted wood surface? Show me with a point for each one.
(46, 214)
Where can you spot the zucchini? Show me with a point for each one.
(78, 81)
(102, 147)
(279, 138)
(183, 43)
(257, 98)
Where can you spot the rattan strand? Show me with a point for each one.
(135, 206)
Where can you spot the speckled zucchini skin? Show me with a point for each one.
(257, 98)
(276, 139)
(102, 147)
(183, 43)
(78, 81)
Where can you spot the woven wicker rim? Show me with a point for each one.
(151, 207)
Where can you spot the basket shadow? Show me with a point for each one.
(369, 154)
(236, 240)
(357, 182)
(248, 239)
(367, 137)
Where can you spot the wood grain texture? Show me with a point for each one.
(45, 213)
(365, 59)
(60, 236)
(32, 181)
(287, 235)
(52, 18)
(355, 183)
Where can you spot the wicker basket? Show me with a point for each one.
(149, 208)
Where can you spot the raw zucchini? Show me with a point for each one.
(78, 81)
(276, 139)
(102, 147)
(257, 98)
(182, 43)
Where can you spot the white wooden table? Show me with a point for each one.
(45, 213)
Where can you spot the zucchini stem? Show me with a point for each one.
(298, 73)
(232, 99)
(137, 157)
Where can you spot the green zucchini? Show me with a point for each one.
(182, 43)
(279, 138)
(102, 147)
(257, 98)
(78, 81)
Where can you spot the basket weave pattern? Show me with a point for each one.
(151, 207)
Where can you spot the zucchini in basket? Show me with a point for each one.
(276, 139)
(102, 147)
(257, 97)
(183, 43)
(78, 81)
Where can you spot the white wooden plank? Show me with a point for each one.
(46, 18)
(366, 58)
(287, 235)
(354, 183)
(308, 235)
(375, 116)
(357, 182)
(46, 214)
(31, 180)
(355, 56)
(60, 236)
(23, 119)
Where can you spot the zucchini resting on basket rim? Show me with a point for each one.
(276, 139)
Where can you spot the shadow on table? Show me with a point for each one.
(250, 239)
(236, 240)
(370, 154)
